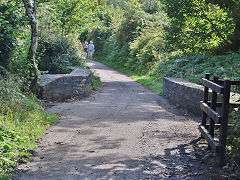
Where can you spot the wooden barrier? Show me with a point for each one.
(211, 119)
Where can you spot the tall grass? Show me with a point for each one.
(22, 121)
(193, 68)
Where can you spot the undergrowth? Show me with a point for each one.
(95, 82)
(233, 140)
(22, 121)
(193, 68)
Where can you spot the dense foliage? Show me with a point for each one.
(193, 68)
(9, 27)
(197, 27)
(22, 121)
(58, 54)
(234, 135)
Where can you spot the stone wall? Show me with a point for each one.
(59, 87)
(188, 95)
(183, 93)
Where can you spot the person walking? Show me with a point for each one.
(90, 50)
(85, 51)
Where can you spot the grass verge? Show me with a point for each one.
(22, 122)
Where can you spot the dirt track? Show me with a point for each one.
(120, 132)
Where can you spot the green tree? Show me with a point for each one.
(74, 14)
(233, 6)
(9, 22)
(31, 10)
(197, 27)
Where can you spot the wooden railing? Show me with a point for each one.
(211, 119)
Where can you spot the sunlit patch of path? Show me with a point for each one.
(120, 132)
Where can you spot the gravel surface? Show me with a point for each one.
(123, 131)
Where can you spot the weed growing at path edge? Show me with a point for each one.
(95, 82)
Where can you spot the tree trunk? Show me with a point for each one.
(31, 13)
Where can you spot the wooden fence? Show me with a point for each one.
(211, 119)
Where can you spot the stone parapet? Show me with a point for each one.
(59, 87)
(188, 95)
(183, 93)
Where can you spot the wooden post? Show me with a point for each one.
(205, 100)
(213, 106)
(224, 123)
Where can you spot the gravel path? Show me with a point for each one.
(123, 131)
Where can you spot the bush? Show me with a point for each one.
(144, 50)
(8, 29)
(151, 6)
(58, 54)
(233, 141)
(197, 27)
(193, 68)
(95, 83)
